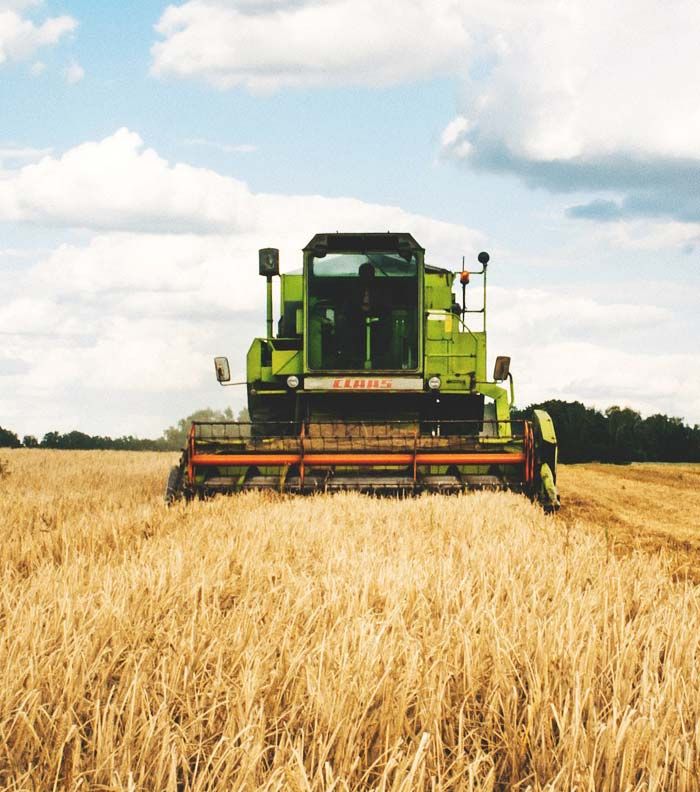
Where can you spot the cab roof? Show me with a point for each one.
(361, 242)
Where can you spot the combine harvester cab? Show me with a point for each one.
(375, 382)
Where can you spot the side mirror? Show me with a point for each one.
(223, 372)
(502, 368)
(269, 262)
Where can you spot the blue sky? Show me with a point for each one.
(148, 149)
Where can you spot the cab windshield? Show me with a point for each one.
(363, 312)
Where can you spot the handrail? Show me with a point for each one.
(360, 460)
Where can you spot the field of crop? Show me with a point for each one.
(346, 643)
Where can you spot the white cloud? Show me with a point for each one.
(12, 154)
(565, 345)
(584, 96)
(268, 45)
(124, 317)
(118, 184)
(593, 79)
(226, 148)
(74, 73)
(584, 80)
(601, 376)
(645, 235)
(17, 253)
(557, 316)
(588, 96)
(21, 37)
(453, 137)
(32, 316)
(18, 5)
(170, 274)
(551, 81)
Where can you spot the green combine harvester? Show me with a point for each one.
(375, 382)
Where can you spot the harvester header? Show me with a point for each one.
(376, 380)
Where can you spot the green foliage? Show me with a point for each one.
(8, 439)
(581, 431)
(175, 437)
(81, 441)
(618, 435)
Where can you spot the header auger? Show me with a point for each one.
(375, 382)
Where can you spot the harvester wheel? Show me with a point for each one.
(173, 489)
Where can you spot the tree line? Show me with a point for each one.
(585, 434)
(172, 439)
(81, 440)
(618, 434)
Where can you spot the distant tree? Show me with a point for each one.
(80, 441)
(8, 439)
(175, 437)
(624, 435)
(50, 440)
(668, 439)
(695, 444)
(619, 435)
(581, 431)
(29, 441)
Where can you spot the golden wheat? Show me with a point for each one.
(330, 643)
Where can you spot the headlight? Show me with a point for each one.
(293, 381)
(434, 383)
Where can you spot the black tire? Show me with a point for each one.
(173, 489)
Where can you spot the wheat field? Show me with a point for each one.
(343, 642)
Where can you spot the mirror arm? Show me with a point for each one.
(269, 308)
(229, 384)
(512, 389)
